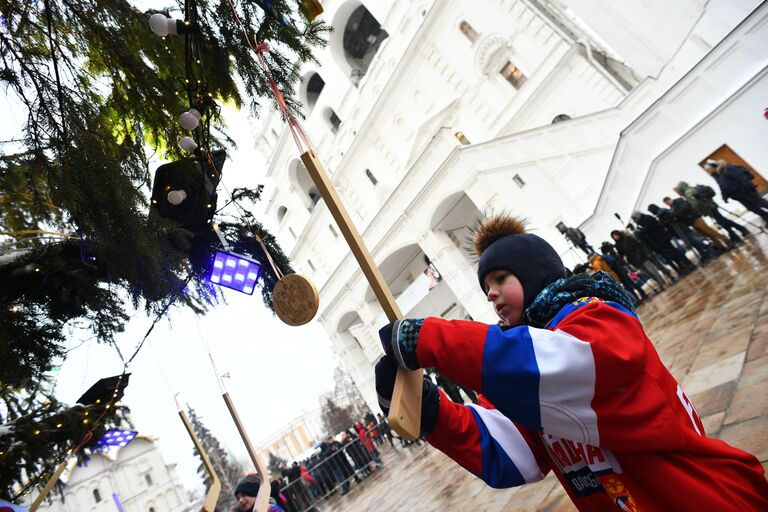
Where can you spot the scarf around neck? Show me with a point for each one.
(566, 290)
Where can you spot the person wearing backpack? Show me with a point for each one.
(684, 212)
(655, 236)
(701, 199)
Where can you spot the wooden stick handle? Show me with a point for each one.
(262, 499)
(405, 411)
(49, 485)
(209, 505)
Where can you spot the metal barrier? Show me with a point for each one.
(336, 466)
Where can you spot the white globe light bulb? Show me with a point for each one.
(159, 24)
(190, 119)
(188, 144)
(176, 197)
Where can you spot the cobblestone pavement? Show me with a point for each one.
(711, 330)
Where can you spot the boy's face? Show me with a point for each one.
(506, 292)
(245, 502)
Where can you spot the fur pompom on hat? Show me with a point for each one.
(249, 485)
(502, 243)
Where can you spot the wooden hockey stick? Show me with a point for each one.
(209, 505)
(262, 499)
(405, 411)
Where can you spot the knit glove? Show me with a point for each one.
(386, 372)
(399, 341)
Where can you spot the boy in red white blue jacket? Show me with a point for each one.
(572, 386)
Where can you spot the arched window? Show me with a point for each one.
(513, 75)
(281, 213)
(333, 120)
(301, 179)
(315, 85)
(468, 31)
(148, 479)
(371, 177)
(560, 118)
(363, 36)
(151, 509)
(314, 197)
(96, 496)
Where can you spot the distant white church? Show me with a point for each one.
(428, 114)
(129, 479)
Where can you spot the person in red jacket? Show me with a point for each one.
(570, 384)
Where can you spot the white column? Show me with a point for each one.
(459, 273)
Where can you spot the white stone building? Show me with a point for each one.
(294, 439)
(429, 113)
(136, 474)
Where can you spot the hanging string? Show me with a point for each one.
(297, 132)
(162, 371)
(159, 315)
(299, 137)
(277, 271)
(207, 350)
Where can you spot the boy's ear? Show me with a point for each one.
(490, 229)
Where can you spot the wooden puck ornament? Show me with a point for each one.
(294, 297)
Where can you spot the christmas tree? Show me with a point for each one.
(95, 96)
(336, 417)
(276, 464)
(229, 471)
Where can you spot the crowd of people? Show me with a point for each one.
(655, 246)
(351, 455)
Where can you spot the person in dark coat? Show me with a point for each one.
(682, 232)
(384, 427)
(576, 237)
(651, 232)
(683, 210)
(360, 457)
(329, 449)
(610, 257)
(342, 462)
(633, 251)
(701, 199)
(735, 182)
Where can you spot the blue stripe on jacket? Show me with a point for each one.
(510, 375)
(498, 469)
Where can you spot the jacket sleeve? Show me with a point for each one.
(585, 380)
(488, 445)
